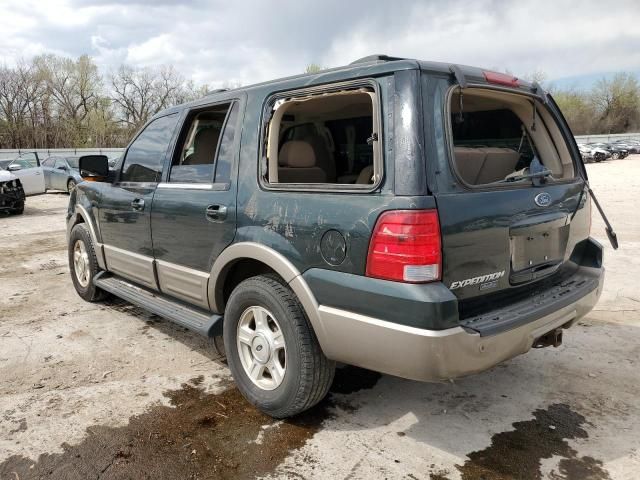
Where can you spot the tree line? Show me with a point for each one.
(60, 102)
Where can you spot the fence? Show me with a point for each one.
(115, 152)
(68, 152)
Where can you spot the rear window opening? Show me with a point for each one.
(502, 138)
(330, 138)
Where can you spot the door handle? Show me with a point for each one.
(216, 212)
(137, 204)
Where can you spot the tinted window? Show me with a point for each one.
(143, 162)
(226, 151)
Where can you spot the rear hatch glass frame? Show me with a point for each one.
(540, 104)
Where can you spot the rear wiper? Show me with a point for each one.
(542, 174)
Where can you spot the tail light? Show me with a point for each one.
(406, 247)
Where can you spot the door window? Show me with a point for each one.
(60, 164)
(203, 140)
(145, 156)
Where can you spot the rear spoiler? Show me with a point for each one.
(497, 79)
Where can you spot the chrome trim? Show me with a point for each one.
(186, 186)
(133, 266)
(182, 282)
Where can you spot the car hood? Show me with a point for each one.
(6, 175)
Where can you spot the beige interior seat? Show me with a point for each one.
(324, 158)
(204, 147)
(498, 163)
(297, 164)
(469, 162)
(366, 175)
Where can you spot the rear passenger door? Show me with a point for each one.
(194, 208)
(125, 206)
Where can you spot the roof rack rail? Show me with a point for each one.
(217, 90)
(376, 58)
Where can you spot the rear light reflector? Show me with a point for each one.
(501, 79)
(406, 247)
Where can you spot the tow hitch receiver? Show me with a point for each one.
(552, 338)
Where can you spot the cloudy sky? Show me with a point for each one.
(248, 41)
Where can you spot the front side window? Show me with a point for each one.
(48, 162)
(330, 138)
(502, 138)
(145, 156)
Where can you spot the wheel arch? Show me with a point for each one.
(81, 215)
(274, 261)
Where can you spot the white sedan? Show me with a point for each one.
(28, 169)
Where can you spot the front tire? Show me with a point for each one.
(272, 351)
(83, 264)
(71, 185)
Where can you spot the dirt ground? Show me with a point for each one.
(110, 391)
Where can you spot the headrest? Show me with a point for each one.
(297, 154)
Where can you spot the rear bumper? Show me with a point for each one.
(436, 355)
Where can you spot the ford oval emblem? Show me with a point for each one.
(543, 199)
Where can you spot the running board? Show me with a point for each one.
(194, 318)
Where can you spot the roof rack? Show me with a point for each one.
(217, 90)
(376, 58)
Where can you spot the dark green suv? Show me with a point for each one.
(420, 219)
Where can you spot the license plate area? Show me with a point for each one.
(537, 254)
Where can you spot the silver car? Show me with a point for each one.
(61, 173)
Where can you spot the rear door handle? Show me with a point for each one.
(217, 212)
(137, 204)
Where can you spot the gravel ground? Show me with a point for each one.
(111, 391)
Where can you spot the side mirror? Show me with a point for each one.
(62, 167)
(94, 167)
(14, 167)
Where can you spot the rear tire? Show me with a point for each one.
(278, 364)
(83, 264)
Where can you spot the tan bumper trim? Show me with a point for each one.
(432, 355)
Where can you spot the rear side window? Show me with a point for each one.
(206, 143)
(144, 158)
(500, 138)
(330, 138)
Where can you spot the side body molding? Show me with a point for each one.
(277, 262)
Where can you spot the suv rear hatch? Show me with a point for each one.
(513, 206)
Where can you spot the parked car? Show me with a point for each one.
(632, 146)
(585, 153)
(616, 151)
(27, 168)
(11, 193)
(348, 223)
(595, 154)
(61, 173)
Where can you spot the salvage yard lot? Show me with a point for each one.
(108, 390)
